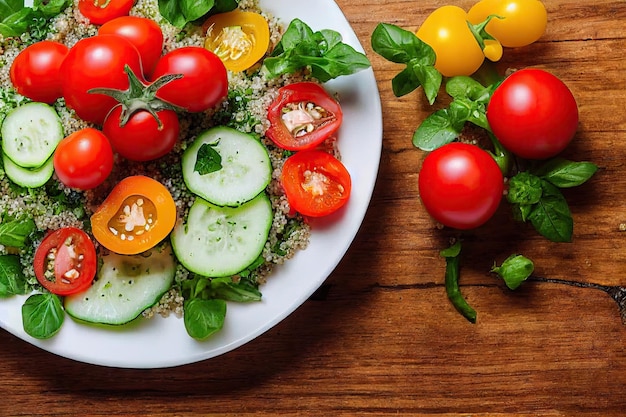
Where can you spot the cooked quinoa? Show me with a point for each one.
(55, 206)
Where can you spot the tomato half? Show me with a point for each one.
(101, 11)
(35, 72)
(204, 83)
(84, 159)
(533, 114)
(460, 185)
(145, 34)
(315, 183)
(138, 214)
(97, 62)
(302, 116)
(239, 38)
(65, 261)
(141, 138)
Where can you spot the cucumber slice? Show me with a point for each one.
(30, 134)
(246, 169)
(27, 177)
(221, 241)
(124, 287)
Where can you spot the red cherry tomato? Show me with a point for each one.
(141, 139)
(145, 34)
(303, 116)
(65, 261)
(84, 159)
(101, 11)
(460, 185)
(204, 83)
(315, 183)
(97, 62)
(35, 72)
(533, 114)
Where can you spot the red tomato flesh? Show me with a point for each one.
(460, 185)
(303, 116)
(65, 261)
(315, 183)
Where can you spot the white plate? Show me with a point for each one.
(160, 342)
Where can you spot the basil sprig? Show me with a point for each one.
(16, 19)
(181, 12)
(323, 52)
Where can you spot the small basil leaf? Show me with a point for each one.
(202, 318)
(551, 216)
(226, 289)
(399, 45)
(208, 159)
(435, 131)
(466, 87)
(15, 233)
(42, 315)
(514, 270)
(566, 174)
(12, 279)
(405, 82)
(524, 189)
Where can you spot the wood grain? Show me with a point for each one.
(380, 337)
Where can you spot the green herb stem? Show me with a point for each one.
(452, 283)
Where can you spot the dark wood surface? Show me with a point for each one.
(380, 337)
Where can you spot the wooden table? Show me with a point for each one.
(380, 337)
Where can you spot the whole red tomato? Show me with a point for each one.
(84, 159)
(97, 62)
(145, 34)
(302, 116)
(204, 83)
(35, 72)
(141, 138)
(533, 114)
(101, 11)
(460, 185)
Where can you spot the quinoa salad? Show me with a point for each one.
(250, 95)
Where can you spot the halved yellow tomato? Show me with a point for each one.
(239, 38)
(138, 214)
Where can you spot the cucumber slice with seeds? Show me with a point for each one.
(30, 134)
(125, 286)
(218, 241)
(245, 166)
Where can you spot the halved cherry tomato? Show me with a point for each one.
(315, 183)
(101, 11)
(145, 34)
(239, 38)
(65, 261)
(35, 72)
(84, 159)
(138, 213)
(303, 116)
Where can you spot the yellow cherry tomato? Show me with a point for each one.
(239, 38)
(519, 22)
(457, 50)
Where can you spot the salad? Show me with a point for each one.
(144, 185)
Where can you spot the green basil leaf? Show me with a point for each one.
(430, 79)
(208, 159)
(8, 7)
(195, 9)
(514, 270)
(401, 46)
(17, 23)
(467, 87)
(223, 6)
(435, 131)
(172, 12)
(15, 233)
(566, 174)
(323, 52)
(405, 82)
(51, 8)
(524, 189)
(226, 289)
(42, 315)
(551, 216)
(12, 279)
(202, 318)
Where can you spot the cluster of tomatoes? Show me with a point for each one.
(531, 113)
(126, 58)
